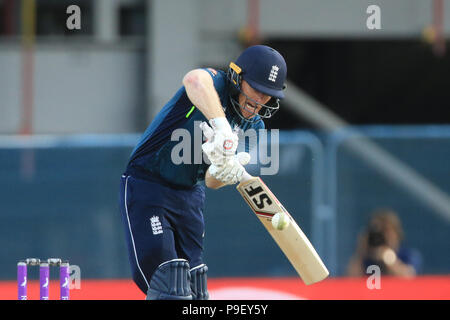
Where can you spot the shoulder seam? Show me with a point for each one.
(213, 71)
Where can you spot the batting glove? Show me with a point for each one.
(221, 141)
(232, 170)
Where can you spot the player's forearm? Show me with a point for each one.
(200, 90)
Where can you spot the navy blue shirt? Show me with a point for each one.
(152, 157)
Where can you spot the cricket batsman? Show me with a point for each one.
(162, 202)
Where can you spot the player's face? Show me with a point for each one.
(251, 100)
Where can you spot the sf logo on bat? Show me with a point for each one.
(258, 196)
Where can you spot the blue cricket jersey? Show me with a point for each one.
(151, 158)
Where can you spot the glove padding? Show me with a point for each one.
(232, 170)
(222, 141)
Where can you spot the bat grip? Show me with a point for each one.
(245, 177)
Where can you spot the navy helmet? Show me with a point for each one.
(265, 70)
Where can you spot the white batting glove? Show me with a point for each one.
(222, 141)
(232, 170)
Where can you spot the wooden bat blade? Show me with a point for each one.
(292, 241)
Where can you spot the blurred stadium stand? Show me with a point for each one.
(130, 55)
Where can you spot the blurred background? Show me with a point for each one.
(365, 125)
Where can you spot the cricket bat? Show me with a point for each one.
(292, 241)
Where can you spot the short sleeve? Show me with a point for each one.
(219, 79)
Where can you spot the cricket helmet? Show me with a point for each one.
(264, 69)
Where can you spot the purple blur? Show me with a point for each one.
(64, 281)
(44, 281)
(22, 281)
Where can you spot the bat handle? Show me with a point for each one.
(245, 177)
